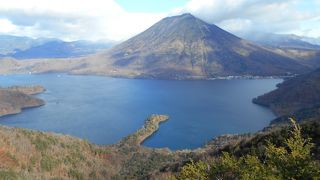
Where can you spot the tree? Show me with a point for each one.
(292, 161)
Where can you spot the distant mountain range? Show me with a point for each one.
(178, 47)
(10, 44)
(304, 50)
(29, 48)
(185, 46)
(315, 41)
(282, 40)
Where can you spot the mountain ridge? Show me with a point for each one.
(280, 40)
(22, 48)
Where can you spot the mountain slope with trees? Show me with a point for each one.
(296, 94)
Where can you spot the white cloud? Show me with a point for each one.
(277, 16)
(71, 20)
(6, 26)
(236, 25)
(105, 19)
(310, 28)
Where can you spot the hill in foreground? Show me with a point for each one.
(26, 154)
(37, 155)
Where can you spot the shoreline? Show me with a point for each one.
(149, 128)
(190, 78)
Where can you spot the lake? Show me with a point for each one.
(103, 109)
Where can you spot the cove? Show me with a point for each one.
(103, 109)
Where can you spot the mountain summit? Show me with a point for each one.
(181, 47)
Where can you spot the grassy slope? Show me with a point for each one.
(38, 155)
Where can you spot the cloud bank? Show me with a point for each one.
(72, 20)
(105, 19)
(279, 16)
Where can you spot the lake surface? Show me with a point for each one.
(103, 109)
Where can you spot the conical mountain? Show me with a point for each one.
(186, 47)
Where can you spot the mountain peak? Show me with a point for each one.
(186, 15)
(185, 46)
(181, 17)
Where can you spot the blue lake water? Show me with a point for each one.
(103, 109)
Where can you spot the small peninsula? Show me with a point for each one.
(14, 99)
(151, 125)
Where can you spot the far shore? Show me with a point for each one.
(191, 78)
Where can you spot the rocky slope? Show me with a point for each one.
(14, 99)
(299, 95)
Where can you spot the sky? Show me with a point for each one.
(118, 20)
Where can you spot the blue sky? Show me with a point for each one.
(308, 5)
(118, 20)
(150, 6)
